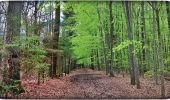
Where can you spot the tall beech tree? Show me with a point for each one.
(134, 70)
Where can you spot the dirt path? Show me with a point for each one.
(93, 84)
(86, 83)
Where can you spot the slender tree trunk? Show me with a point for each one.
(143, 29)
(168, 18)
(56, 37)
(111, 40)
(106, 41)
(103, 41)
(149, 44)
(92, 61)
(101, 34)
(129, 29)
(121, 51)
(35, 19)
(168, 13)
(69, 64)
(38, 82)
(96, 52)
(160, 54)
(155, 49)
(97, 60)
(65, 65)
(134, 68)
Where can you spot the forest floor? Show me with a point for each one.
(86, 83)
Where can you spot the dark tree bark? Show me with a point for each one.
(92, 61)
(35, 18)
(143, 29)
(168, 18)
(129, 29)
(13, 30)
(111, 40)
(168, 13)
(56, 37)
(97, 59)
(134, 68)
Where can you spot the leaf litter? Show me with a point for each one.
(91, 84)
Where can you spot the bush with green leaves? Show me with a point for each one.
(13, 88)
(33, 56)
(150, 73)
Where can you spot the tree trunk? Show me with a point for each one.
(160, 54)
(134, 68)
(129, 29)
(143, 29)
(168, 18)
(111, 40)
(69, 64)
(168, 13)
(155, 49)
(92, 61)
(13, 30)
(103, 41)
(35, 18)
(56, 37)
(65, 64)
(97, 59)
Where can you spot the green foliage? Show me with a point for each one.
(150, 73)
(33, 55)
(14, 88)
(41, 67)
(86, 37)
(4, 53)
(167, 60)
(83, 46)
(65, 45)
(125, 44)
(121, 46)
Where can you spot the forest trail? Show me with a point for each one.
(86, 83)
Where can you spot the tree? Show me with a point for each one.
(13, 31)
(101, 29)
(155, 49)
(160, 51)
(168, 13)
(56, 37)
(134, 70)
(143, 29)
(35, 18)
(111, 40)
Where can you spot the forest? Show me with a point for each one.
(63, 49)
